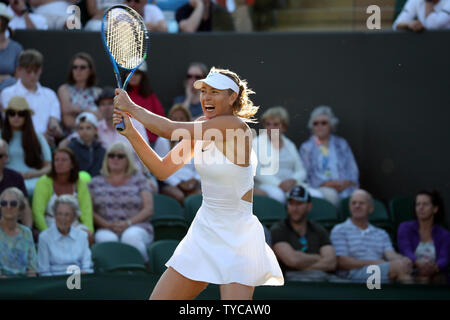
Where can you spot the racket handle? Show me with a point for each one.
(120, 126)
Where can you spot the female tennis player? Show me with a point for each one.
(225, 243)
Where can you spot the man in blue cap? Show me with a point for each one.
(302, 247)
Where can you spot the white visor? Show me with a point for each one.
(218, 81)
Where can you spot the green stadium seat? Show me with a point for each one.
(324, 213)
(165, 205)
(268, 210)
(159, 252)
(116, 257)
(191, 205)
(168, 219)
(402, 209)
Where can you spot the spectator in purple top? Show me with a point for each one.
(122, 199)
(10, 178)
(425, 242)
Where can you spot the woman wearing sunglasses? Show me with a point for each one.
(29, 152)
(328, 159)
(80, 92)
(18, 253)
(122, 199)
(191, 97)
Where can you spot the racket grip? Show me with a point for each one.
(120, 126)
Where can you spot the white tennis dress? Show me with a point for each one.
(225, 242)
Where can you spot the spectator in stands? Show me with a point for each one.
(87, 149)
(55, 11)
(96, 10)
(23, 18)
(203, 15)
(302, 246)
(64, 178)
(62, 245)
(425, 242)
(283, 154)
(186, 180)
(141, 93)
(418, 15)
(191, 98)
(10, 178)
(29, 152)
(18, 254)
(123, 203)
(9, 51)
(43, 101)
(240, 11)
(79, 93)
(108, 135)
(151, 13)
(328, 159)
(358, 245)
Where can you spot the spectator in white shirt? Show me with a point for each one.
(54, 11)
(96, 10)
(62, 245)
(418, 15)
(23, 18)
(43, 101)
(279, 154)
(153, 16)
(186, 180)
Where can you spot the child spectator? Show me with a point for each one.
(87, 149)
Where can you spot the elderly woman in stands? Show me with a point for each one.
(328, 159)
(281, 153)
(122, 200)
(17, 251)
(62, 245)
(425, 242)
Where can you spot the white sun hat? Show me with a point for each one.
(218, 81)
(4, 12)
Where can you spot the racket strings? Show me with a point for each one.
(125, 37)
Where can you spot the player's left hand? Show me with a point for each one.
(129, 128)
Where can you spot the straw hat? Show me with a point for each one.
(19, 104)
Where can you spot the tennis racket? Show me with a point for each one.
(126, 40)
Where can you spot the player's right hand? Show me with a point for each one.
(117, 118)
(122, 101)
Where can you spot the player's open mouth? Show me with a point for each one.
(209, 108)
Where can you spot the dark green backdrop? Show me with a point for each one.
(391, 91)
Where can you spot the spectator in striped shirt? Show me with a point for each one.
(358, 245)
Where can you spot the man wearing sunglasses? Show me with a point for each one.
(10, 178)
(302, 247)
